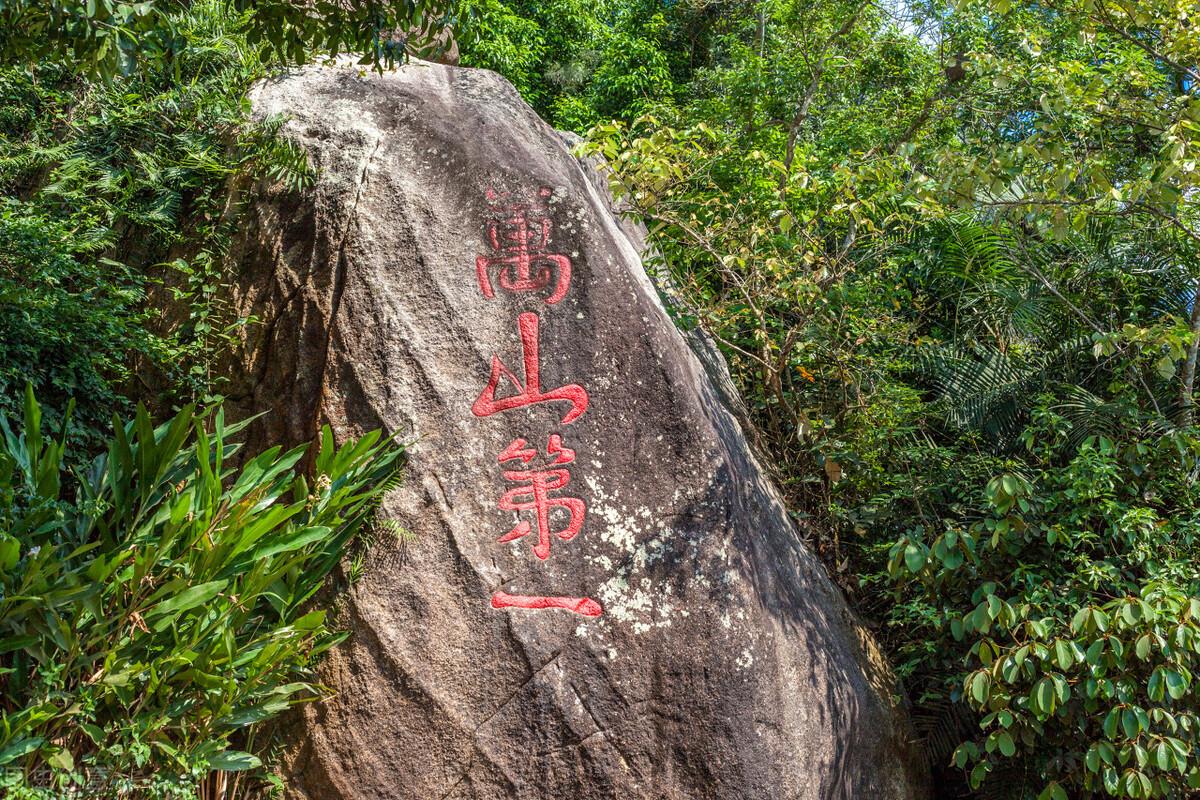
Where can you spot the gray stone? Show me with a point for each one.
(724, 664)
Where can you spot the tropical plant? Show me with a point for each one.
(115, 37)
(579, 63)
(154, 606)
(915, 347)
(117, 204)
(1075, 595)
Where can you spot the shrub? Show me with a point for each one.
(1077, 596)
(114, 195)
(60, 314)
(153, 607)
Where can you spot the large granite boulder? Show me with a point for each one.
(601, 596)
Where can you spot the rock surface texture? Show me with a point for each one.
(456, 276)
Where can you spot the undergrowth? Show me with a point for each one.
(114, 198)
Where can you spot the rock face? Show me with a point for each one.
(602, 596)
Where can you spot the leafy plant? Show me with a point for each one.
(1078, 599)
(154, 606)
(61, 311)
(956, 285)
(115, 37)
(579, 63)
(118, 200)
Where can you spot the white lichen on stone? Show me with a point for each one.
(633, 539)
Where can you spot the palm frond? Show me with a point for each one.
(989, 390)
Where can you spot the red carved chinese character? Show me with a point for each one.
(530, 390)
(580, 605)
(534, 494)
(519, 234)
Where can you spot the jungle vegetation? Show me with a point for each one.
(948, 248)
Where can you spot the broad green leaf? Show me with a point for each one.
(1130, 723)
(61, 759)
(234, 761)
(1043, 699)
(1176, 685)
(979, 686)
(291, 540)
(19, 748)
(914, 558)
(1142, 648)
(187, 599)
(1064, 655)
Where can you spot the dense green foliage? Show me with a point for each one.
(579, 63)
(153, 605)
(116, 193)
(117, 37)
(950, 252)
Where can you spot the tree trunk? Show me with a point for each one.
(1187, 402)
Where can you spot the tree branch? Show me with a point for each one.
(810, 92)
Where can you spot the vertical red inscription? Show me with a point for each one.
(534, 494)
(529, 390)
(519, 234)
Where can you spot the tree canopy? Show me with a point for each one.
(116, 37)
